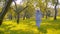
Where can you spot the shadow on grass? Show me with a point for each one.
(21, 32)
(52, 23)
(1, 32)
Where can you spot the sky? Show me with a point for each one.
(20, 1)
(59, 1)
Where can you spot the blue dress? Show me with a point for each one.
(38, 18)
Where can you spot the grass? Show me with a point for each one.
(48, 26)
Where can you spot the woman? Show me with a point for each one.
(38, 18)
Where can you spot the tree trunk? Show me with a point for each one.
(15, 5)
(55, 16)
(24, 15)
(10, 16)
(4, 10)
(46, 15)
(18, 18)
(46, 8)
(43, 14)
(1, 21)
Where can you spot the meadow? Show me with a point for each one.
(28, 26)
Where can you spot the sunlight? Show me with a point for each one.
(59, 1)
(18, 1)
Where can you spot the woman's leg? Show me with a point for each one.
(38, 23)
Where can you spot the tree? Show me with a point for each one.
(55, 16)
(18, 10)
(55, 2)
(5, 10)
(30, 10)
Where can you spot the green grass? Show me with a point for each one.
(28, 26)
